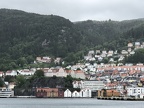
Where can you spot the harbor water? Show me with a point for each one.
(67, 103)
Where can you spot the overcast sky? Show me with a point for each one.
(79, 10)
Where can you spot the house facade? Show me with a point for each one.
(92, 85)
(135, 91)
(11, 73)
(49, 92)
(85, 93)
(67, 93)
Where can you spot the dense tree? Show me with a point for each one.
(39, 74)
(68, 81)
(9, 78)
(20, 81)
(1, 82)
(138, 57)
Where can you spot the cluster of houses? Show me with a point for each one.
(48, 72)
(102, 80)
(99, 55)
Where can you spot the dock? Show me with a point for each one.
(23, 97)
(121, 98)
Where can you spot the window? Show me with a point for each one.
(134, 91)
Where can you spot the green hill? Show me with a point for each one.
(24, 36)
(29, 35)
(103, 32)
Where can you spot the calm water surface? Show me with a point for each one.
(67, 103)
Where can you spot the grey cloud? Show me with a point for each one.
(77, 10)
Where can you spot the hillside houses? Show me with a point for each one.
(47, 59)
(43, 59)
(99, 55)
(48, 72)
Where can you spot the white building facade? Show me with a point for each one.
(137, 92)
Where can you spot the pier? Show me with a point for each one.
(120, 98)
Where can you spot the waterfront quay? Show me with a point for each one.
(120, 98)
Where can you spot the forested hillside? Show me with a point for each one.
(110, 34)
(24, 36)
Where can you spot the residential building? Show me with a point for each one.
(11, 73)
(6, 92)
(85, 93)
(61, 73)
(79, 74)
(124, 52)
(108, 93)
(26, 72)
(49, 92)
(75, 94)
(92, 85)
(67, 93)
(130, 45)
(135, 91)
(1, 73)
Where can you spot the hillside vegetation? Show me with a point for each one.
(24, 36)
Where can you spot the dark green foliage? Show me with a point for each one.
(39, 74)
(135, 34)
(1, 82)
(110, 34)
(20, 81)
(138, 57)
(24, 36)
(68, 81)
(9, 78)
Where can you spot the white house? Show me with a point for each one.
(85, 93)
(137, 44)
(79, 74)
(26, 72)
(78, 84)
(67, 93)
(72, 73)
(91, 52)
(75, 94)
(61, 73)
(98, 51)
(11, 73)
(92, 85)
(48, 72)
(135, 91)
(1, 74)
(124, 52)
(130, 45)
(132, 52)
